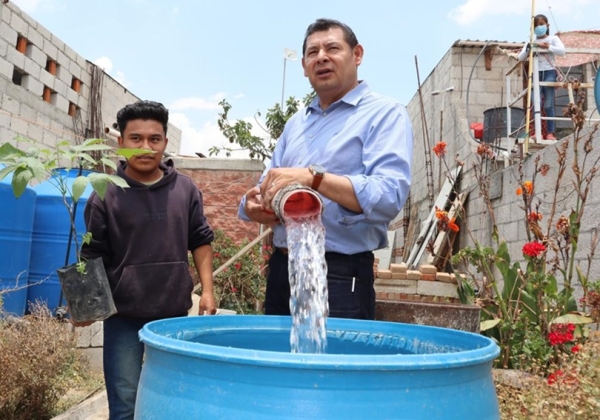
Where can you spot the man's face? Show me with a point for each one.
(330, 64)
(147, 135)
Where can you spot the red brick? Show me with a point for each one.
(428, 277)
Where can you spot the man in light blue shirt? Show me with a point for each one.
(352, 146)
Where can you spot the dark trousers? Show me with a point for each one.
(346, 300)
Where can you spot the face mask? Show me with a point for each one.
(540, 30)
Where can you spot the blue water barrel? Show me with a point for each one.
(50, 238)
(240, 367)
(16, 226)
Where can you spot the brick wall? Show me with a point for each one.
(223, 182)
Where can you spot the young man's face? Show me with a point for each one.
(147, 135)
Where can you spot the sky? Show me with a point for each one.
(190, 54)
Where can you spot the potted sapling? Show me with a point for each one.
(70, 169)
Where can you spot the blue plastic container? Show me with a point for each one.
(51, 236)
(16, 226)
(240, 367)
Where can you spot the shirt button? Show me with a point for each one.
(324, 114)
(310, 136)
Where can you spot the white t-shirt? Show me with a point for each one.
(547, 58)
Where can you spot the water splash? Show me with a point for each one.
(308, 284)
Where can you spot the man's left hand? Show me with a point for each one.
(207, 304)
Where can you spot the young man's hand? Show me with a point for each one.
(207, 304)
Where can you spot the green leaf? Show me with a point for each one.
(86, 238)
(109, 163)
(489, 324)
(552, 288)
(6, 171)
(79, 185)
(21, 178)
(100, 183)
(581, 277)
(8, 151)
(572, 318)
(127, 153)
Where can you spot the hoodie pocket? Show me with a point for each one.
(157, 290)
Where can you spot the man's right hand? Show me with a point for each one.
(256, 211)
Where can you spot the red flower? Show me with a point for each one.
(238, 266)
(575, 348)
(534, 217)
(561, 334)
(553, 377)
(440, 149)
(216, 255)
(533, 249)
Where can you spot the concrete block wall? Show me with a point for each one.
(486, 90)
(223, 183)
(25, 75)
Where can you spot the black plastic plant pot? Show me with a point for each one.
(87, 293)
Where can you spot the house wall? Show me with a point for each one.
(464, 105)
(24, 112)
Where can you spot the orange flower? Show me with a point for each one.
(528, 186)
(440, 214)
(440, 149)
(452, 225)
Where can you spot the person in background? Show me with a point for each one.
(352, 146)
(143, 233)
(551, 45)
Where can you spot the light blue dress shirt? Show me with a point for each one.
(364, 137)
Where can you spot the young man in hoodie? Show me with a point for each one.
(143, 233)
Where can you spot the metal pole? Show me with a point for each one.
(530, 73)
(537, 100)
(283, 86)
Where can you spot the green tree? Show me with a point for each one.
(240, 132)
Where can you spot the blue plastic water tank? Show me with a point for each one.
(241, 367)
(16, 226)
(51, 228)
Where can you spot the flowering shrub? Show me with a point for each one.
(535, 322)
(241, 286)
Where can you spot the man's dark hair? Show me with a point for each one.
(143, 110)
(326, 24)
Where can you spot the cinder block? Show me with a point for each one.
(84, 336)
(61, 103)
(72, 96)
(97, 339)
(37, 55)
(19, 25)
(32, 85)
(3, 47)
(47, 79)
(35, 132)
(61, 87)
(413, 275)
(6, 13)
(50, 49)
(58, 42)
(399, 276)
(32, 68)
(35, 37)
(427, 269)
(384, 274)
(397, 286)
(437, 288)
(15, 57)
(70, 52)
(6, 68)
(398, 268)
(63, 73)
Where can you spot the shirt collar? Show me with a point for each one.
(351, 98)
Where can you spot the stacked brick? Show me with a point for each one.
(424, 284)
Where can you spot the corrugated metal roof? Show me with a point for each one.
(479, 43)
